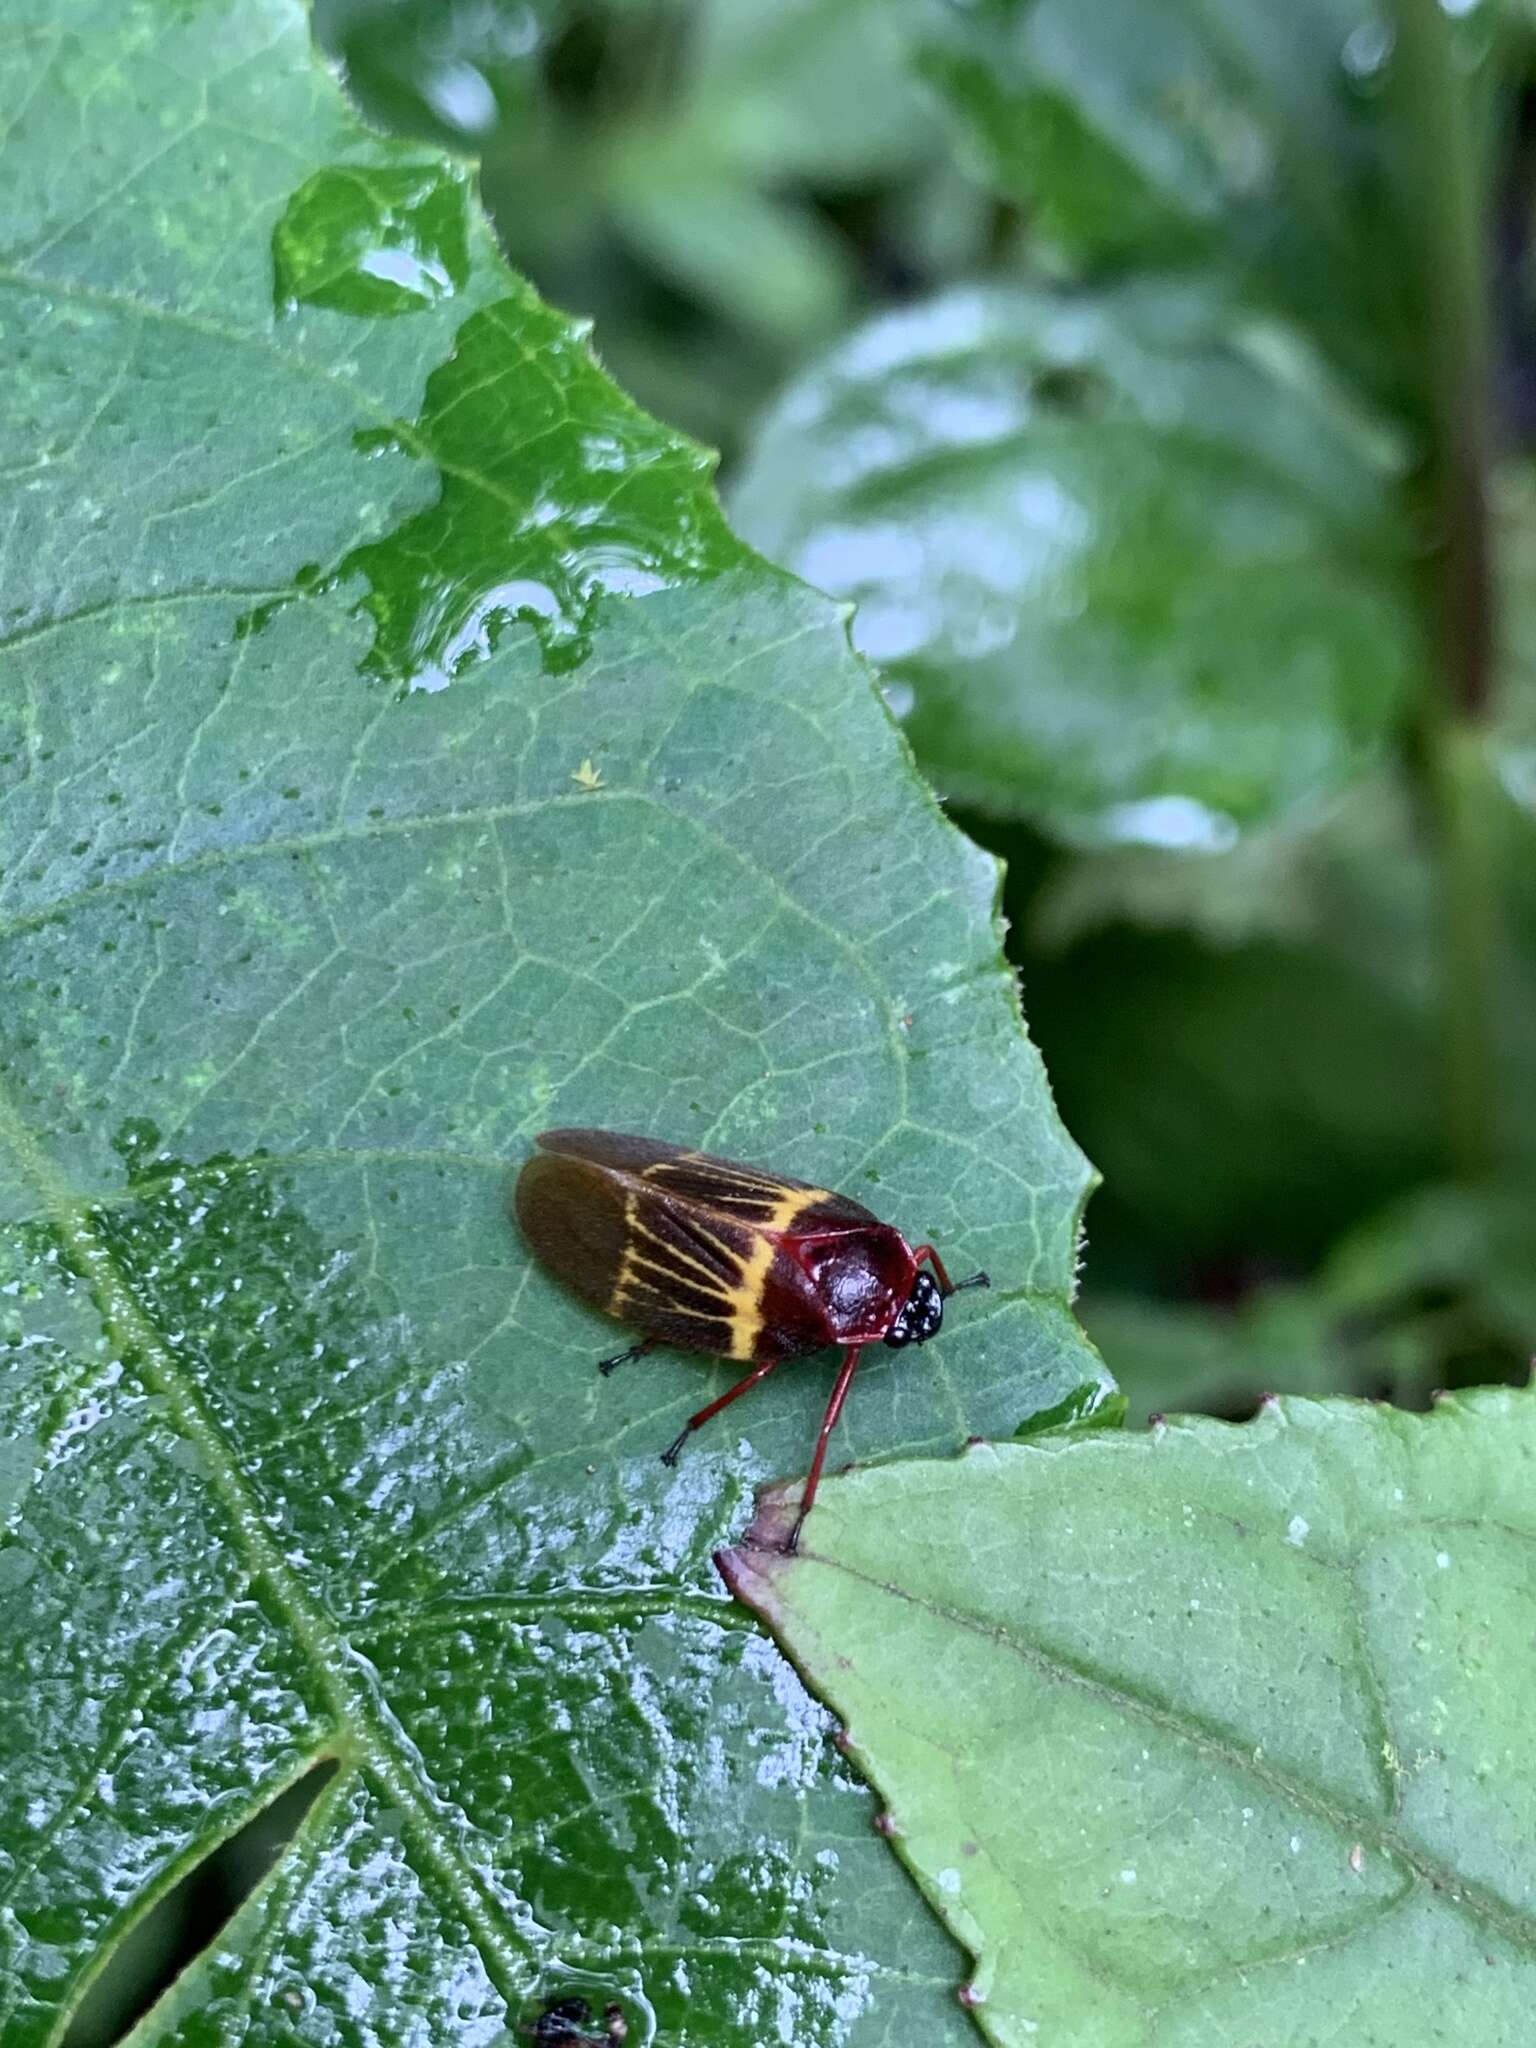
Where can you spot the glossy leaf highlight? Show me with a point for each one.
(1128, 580)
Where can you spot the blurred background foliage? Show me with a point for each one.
(1158, 379)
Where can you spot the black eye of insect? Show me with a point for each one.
(709, 1255)
(922, 1316)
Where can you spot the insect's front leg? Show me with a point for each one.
(849, 1367)
(947, 1286)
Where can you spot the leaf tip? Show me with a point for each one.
(751, 1567)
(970, 1996)
(737, 1565)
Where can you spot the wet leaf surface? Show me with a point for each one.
(1127, 580)
(397, 756)
(1221, 1732)
(670, 169)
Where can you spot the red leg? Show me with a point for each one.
(669, 1456)
(828, 1424)
(948, 1286)
(926, 1251)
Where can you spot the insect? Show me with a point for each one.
(566, 2021)
(709, 1255)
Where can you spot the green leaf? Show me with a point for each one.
(1264, 887)
(1433, 1290)
(670, 168)
(1268, 1075)
(1259, 1069)
(1249, 1102)
(1135, 583)
(1472, 1247)
(397, 755)
(814, 89)
(1175, 1355)
(1250, 141)
(1221, 1735)
(772, 267)
(1010, 75)
(450, 71)
(807, 89)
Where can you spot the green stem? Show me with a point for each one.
(1444, 219)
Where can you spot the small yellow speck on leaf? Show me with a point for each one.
(588, 776)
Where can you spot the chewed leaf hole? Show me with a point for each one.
(191, 1916)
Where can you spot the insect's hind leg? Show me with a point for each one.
(742, 1386)
(608, 1365)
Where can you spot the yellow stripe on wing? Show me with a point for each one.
(741, 1298)
(747, 1294)
(713, 1282)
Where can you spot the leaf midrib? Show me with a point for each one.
(510, 1955)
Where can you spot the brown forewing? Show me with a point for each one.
(678, 1245)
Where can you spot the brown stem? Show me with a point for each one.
(1445, 226)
